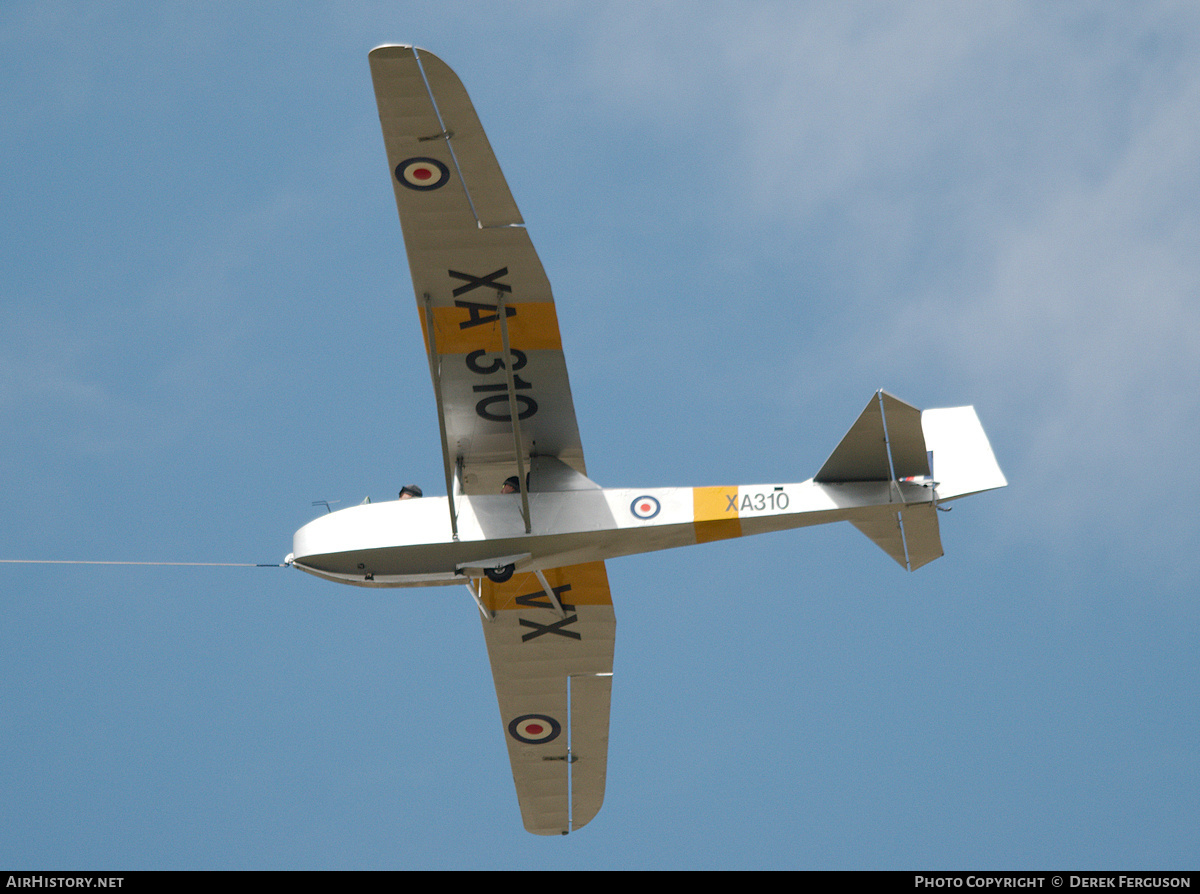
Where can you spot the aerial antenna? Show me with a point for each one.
(325, 503)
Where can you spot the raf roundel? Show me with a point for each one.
(645, 507)
(422, 173)
(534, 729)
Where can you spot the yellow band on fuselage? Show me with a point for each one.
(715, 513)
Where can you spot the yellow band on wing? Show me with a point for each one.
(532, 326)
(575, 585)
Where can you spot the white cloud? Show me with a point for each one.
(1019, 178)
(1089, 327)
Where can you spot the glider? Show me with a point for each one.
(533, 558)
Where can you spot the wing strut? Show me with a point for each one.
(475, 591)
(435, 370)
(549, 591)
(512, 411)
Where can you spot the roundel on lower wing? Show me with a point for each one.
(534, 729)
(645, 507)
(422, 173)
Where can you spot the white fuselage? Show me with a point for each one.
(409, 543)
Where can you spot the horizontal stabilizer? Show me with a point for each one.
(910, 535)
(887, 425)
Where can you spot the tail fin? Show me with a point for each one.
(884, 444)
(892, 441)
(910, 535)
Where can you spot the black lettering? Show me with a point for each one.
(531, 600)
(519, 361)
(482, 409)
(555, 628)
(477, 317)
(478, 282)
(519, 384)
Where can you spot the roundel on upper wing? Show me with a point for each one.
(534, 729)
(645, 507)
(422, 173)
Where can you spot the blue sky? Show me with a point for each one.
(753, 216)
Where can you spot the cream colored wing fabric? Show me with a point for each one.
(553, 674)
(468, 251)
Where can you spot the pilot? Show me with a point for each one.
(410, 492)
(511, 485)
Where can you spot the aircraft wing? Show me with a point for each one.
(500, 381)
(553, 674)
(469, 254)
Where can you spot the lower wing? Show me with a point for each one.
(550, 640)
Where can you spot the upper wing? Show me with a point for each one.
(469, 252)
(553, 673)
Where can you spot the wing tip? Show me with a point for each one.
(391, 50)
